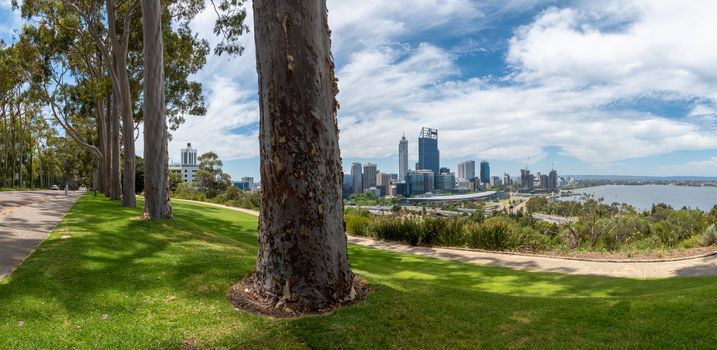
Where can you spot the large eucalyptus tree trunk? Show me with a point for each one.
(302, 259)
(156, 184)
(128, 175)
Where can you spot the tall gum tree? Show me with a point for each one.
(302, 259)
(156, 172)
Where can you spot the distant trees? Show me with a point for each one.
(210, 178)
(85, 60)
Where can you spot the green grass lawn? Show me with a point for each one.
(163, 285)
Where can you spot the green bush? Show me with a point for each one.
(357, 225)
(709, 237)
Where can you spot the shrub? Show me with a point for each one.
(709, 237)
(357, 225)
(492, 234)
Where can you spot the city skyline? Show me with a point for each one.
(486, 74)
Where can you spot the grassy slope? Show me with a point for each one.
(163, 285)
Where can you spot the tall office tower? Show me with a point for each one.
(369, 175)
(356, 178)
(383, 182)
(428, 155)
(466, 170)
(402, 159)
(470, 169)
(526, 179)
(553, 181)
(484, 172)
(506, 180)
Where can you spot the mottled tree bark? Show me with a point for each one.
(108, 146)
(116, 189)
(156, 184)
(102, 140)
(302, 259)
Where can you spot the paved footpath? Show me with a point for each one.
(26, 219)
(704, 265)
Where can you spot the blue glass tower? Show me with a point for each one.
(428, 155)
(484, 172)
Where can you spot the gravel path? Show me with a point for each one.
(702, 265)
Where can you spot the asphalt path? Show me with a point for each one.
(26, 219)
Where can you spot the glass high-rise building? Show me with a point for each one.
(484, 172)
(428, 154)
(356, 178)
(402, 159)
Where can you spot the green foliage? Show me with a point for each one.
(709, 237)
(174, 180)
(210, 178)
(173, 277)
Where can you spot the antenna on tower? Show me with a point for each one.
(526, 163)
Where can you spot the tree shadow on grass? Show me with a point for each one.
(109, 256)
(135, 268)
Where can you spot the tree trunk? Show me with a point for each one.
(116, 184)
(156, 184)
(102, 140)
(125, 100)
(109, 139)
(302, 259)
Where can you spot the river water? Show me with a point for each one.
(643, 196)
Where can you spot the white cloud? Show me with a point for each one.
(570, 67)
(230, 107)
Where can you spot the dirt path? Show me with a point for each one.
(703, 265)
(26, 219)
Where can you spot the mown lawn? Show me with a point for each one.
(163, 285)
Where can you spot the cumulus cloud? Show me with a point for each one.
(571, 70)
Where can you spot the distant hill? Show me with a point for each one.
(638, 178)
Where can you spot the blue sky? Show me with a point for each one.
(610, 87)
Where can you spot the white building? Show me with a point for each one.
(188, 167)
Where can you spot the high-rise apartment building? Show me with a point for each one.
(526, 179)
(428, 154)
(544, 185)
(507, 180)
(402, 159)
(484, 172)
(356, 178)
(188, 167)
(369, 176)
(466, 170)
(553, 181)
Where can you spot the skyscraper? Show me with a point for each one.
(553, 181)
(484, 172)
(526, 179)
(428, 155)
(356, 178)
(402, 159)
(466, 170)
(369, 176)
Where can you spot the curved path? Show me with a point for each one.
(704, 265)
(26, 219)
